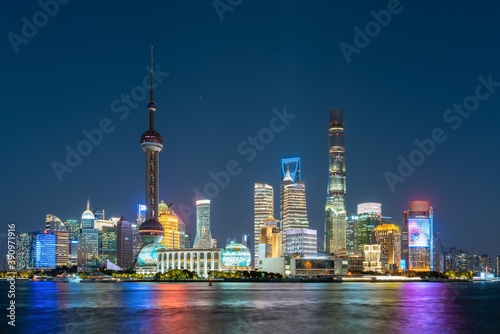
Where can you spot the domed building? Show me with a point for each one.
(151, 231)
(236, 257)
(88, 217)
(147, 259)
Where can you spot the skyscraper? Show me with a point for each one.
(417, 237)
(352, 231)
(369, 217)
(203, 235)
(55, 226)
(335, 212)
(302, 242)
(438, 252)
(72, 227)
(388, 236)
(124, 244)
(151, 231)
(293, 167)
(88, 241)
(46, 250)
(25, 251)
(263, 207)
(270, 238)
(170, 223)
(294, 208)
(99, 214)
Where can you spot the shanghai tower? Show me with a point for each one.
(335, 212)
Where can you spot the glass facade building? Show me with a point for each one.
(352, 231)
(124, 244)
(263, 208)
(294, 209)
(369, 217)
(88, 248)
(302, 242)
(335, 209)
(202, 223)
(170, 222)
(46, 250)
(25, 251)
(417, 237)
(388, 236)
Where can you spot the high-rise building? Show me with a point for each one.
(270, 238)
(335, 211)
(301, 242)
(25, 251)
(107, 239)
(55, 226)
(438, 252)
(88, 217)
(52, 223)
(124, 244)
(73, 252)
(46, 250)
(170, 223)
(369, 217)
(263, 207)
(72, 226)
(293, 167)
(294, 207)
(372, 258)
(203, 234)
(99, 214)
(352, 231)
(246, 240)
(388, 236)
(88, 241)
(417, 246)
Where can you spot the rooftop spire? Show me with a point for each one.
(88, 204)
(151, 105)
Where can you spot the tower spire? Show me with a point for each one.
(88, 204)
(151, 89)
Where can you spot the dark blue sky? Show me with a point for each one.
(225, 78)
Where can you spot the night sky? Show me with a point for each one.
(224, 79)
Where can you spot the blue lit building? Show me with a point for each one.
(417, 246)
(88, 217)
(46, 250)
(25, 251)
(293, 166)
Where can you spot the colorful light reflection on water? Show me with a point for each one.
(45, 307)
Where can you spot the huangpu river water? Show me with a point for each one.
(45, 307)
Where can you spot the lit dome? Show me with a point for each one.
(236, 255)
(148, 256)
(151, 231)
(162, 206)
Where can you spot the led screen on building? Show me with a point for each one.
(419, 232)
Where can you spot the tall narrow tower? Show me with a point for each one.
(335, 212)
(151, 231)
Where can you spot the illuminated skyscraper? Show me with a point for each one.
(55, 226)
(294, 207)
(25, 251)
(46, 250)
(88, 217)
(388, 236)
(170, 223)
(369, 217)
(417, 237)
(99, 214)
(203, 235)
(352, 231)
(72, 227)
(270, 238)
(107, 239)
(124, 244)
(291, 166)
(335, 212)
(151, 231)
(301, 242)
(88, 241)
(263, 208)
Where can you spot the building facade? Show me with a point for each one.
(294, 208)
(301, 242)
(388, 236)
(263, 209)
(45, 250)
(369, 217)
(25, 251)
(124, 244)
(203, 235)
(270, 239)
(352, 231)
(335, 209)
(417, 237)
(170, 223)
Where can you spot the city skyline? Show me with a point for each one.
(384, 114)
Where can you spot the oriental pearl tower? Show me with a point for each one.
(151, 231)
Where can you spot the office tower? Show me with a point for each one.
(263, 207)
(372, 258)
(107, 240)
(335, 212)
(25, 251)
(203, 236)
(46, 250)
(151, 231)
(72, 226)
(417, 246)
(52, 223)
(88, 241)
(170, 223)
(269, 239)
(88, 248)
(294, 208)
(352, 231)
(73, 252)
(245, 240)
(438, 253)
(88, 217)
(369, 217)
(301, 242)
(99, 214)
(388, 236)
(124, 244)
